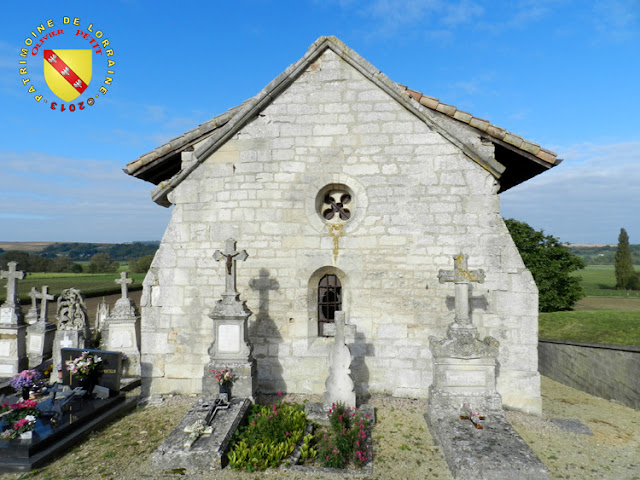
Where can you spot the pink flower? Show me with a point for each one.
(286, 433)
(279, 394)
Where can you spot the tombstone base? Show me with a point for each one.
(494, 453)
(40, 338)
(209, 451)
(13, 355)
(245, 382)
(122, 335)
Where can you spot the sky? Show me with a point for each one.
(561, 73)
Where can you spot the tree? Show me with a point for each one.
(140, 265)
(626, 276)
(101, 263)
(551, 264)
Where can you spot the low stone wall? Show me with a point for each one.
(607, 371)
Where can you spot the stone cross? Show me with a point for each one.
(231, 256)
(44, 298)
(33, 293)
(123, 281)
(461, 276)
(66, 342)
(12, 275)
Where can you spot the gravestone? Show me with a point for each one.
(464, 390)
(339, 386)
(102, 312)
(196, 445)
(13, 351)
(33, 314)
(111, 368)
(40, 334)
(121, 329)
(73, 329)
(230, 347)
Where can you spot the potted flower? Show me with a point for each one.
(24, 381)
(224, 378)
(85, 368)
(22, 428)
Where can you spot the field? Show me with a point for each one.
(90, 285)
(606, 315)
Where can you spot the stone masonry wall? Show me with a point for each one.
(606, 371)
(418, 202)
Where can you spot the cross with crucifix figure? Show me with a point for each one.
(44, 297)
(12, 275)
(461, 276)
(123, 281)
(232, 256)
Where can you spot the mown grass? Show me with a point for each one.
(603, 326)
(600, 280)
(90, 285)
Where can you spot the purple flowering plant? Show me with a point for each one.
(25, 379)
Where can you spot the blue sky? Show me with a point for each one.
(564, 74)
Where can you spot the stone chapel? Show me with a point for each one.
(349, 192)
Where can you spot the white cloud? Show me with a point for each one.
(587, 198)
(52, 198)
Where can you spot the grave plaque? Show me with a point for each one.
(35, 343)
(6, 315)
(228, 338)
(111, 367)
(6, 370)
(5, 349)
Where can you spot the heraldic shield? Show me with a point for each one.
(67, 72)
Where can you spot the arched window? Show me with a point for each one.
(329, 299)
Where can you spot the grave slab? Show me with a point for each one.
(496, 452)
(208, 452)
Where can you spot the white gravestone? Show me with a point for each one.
(5, 315)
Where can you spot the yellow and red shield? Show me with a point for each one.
(67, 72)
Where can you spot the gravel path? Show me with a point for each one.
(403, 446)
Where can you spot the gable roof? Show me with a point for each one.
(515, 160)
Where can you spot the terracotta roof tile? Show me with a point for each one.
(493, 130)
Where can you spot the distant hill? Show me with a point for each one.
(84, 251)
(602, 254)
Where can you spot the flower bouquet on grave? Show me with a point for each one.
(20, 427)
(86, 369)
(24, 382)
(19, 411)
(224, 378)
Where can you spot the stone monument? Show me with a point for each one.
(121, 329)
(34, 312)
(13, 354)
(463, 365)
(339, 387)
(102, 312)
(230, 346)
(41, 334)
(464, 411)
(73, 329)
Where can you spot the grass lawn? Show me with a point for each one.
(600, 280)
(604, 326)
(90, 285)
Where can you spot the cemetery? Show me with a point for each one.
(335, 250)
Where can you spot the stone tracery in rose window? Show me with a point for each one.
(337, 206)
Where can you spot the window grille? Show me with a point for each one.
(329, 299)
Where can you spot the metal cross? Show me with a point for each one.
(461, 276)
(44, 297)
(232, 256)
(123, 281)
(12, 275)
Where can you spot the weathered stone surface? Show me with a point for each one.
(419, 201)
(208, 452)
(339, 387)
(496, 452)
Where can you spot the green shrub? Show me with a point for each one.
(269, 438)
(346, 441)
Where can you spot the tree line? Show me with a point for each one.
(98, 263)
(119, 252)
